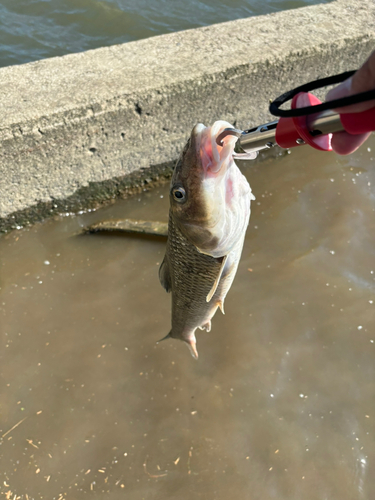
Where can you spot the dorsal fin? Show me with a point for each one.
(165, 275)
(215, 285)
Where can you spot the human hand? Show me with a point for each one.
(344, 143)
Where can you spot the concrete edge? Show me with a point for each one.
(87, 130)
(93, 196)
(100, 194)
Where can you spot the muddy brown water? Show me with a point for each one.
(280, 404)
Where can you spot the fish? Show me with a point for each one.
(208, 217)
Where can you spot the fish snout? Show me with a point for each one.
(197, 130)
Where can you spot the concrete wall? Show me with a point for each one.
(81, 128)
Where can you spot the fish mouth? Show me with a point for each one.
(214, 157)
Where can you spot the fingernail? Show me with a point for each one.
(342, 90)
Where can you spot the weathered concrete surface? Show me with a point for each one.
(71, 123)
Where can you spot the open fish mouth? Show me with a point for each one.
(213, 156)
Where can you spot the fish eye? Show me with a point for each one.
(179, 194)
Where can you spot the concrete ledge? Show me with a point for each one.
(70, 125)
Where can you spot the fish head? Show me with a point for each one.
(209, 197)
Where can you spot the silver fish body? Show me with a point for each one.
(209, 214)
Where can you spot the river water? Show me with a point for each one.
(280, 404)
(36, 29)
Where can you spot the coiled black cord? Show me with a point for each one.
(317, 84)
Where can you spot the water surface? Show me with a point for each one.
(280, 404)
(36, 29)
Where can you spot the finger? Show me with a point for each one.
(364, 78)
(362, 81)
(345, 89)
(344, 144)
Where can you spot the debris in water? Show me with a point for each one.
(155, 476)
(14, 426)
(30, 441)
(188, 462)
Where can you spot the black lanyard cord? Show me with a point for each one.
(317, 84)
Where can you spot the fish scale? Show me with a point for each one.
(192, 276)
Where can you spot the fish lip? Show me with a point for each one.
(212, 155)
(199, 127)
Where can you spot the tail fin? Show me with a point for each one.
(168, 336)
(192, 345)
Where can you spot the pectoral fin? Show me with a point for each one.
(215, 285)
(165, 275)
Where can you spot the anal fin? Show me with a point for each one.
(215, 285)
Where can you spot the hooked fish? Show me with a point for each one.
(208, 216)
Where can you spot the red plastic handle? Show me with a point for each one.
(286, 134)
(291, 130)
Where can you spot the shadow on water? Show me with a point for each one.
(280, 404)
(129, 236)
